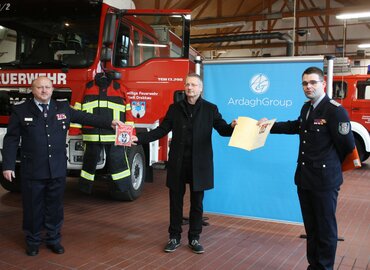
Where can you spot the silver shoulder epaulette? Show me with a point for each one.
(19, 102)
(332, 101)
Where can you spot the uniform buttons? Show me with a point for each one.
(324, 166)
(49, 145)
(49, 155)
(48, 135)
(47, 125)
(302, 163)
(318, 130)
(304, 142)
(305, 131)
(302, 153)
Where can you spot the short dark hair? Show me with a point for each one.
(314, 70)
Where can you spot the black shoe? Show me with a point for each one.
(56, 248)
(32, 250)
(196, 247)
(172, 245)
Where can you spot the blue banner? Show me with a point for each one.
(259, 183)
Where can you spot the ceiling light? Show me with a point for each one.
(151, 45)
(220, 25)
(364, 46)
(358, 15)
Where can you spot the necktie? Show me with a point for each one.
(309, 112)
(44, 109)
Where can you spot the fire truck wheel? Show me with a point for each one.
(363, 155)
(14, 186)
(136, 159)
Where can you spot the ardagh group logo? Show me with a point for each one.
(259, 83)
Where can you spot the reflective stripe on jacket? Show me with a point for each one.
(110, 102)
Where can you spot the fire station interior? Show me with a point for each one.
(100, 232)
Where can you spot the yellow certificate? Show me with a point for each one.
(248, 135)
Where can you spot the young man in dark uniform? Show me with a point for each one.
(190, 159)
(325, 140)
(41, 124)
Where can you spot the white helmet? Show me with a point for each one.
(58, 42)
(74, 42)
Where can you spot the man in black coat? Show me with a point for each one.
(190, 158)
(325, 140)
(41, 125)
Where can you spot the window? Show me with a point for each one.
(137, 48)
(148, 48)
(339, 89)
(54, 36)
(363, 90)
(122, 48)
(150, 36)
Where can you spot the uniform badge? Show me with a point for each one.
(344, 128)
(61, 116)
(138, 108)
(319, 122)
(28, 119)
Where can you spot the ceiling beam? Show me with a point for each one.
(203, 47)
(201, 11)
(281, 29)
(194, 4)
(263, 17)
(313, 20)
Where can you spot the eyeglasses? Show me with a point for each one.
(312, 82)
(191, 84)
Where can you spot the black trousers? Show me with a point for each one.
(177, 203)
(318, 211)
(116, 162)
(43, 209)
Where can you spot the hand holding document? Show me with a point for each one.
(248, 135)
(352, 161)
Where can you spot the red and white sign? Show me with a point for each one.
(124, 135)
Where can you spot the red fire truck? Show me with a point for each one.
(353, 92)
(70, 41)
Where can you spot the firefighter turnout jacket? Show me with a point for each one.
(105, 97)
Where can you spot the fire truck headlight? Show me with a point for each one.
(79, 146)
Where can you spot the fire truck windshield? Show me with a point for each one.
(49, 34)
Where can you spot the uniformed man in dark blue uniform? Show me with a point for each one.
(325, 140)
(41, 124)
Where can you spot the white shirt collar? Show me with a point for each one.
(318, 101)
(39, 102)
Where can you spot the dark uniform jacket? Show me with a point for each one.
(43, 141)
(325, 140)
(205, 117)
(107, 98)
